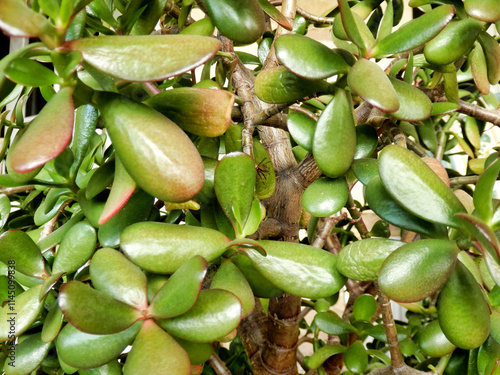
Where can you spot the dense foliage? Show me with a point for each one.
(154, 212)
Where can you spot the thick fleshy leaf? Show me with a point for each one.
(329, 322)
(414, 105)
(491, 51)
(92, 208)
(47, 135)
(325, 196)
(480, 69)
(16, 317)
(110, 368)
(483, 193)
(127, 57)
(301, 128)
(52, 323)
(155, 351)
(482, 233)
(84, 350)
(28, 72)
(369, 81)
(29, 354)
(433, 342)
(85, 125)
(483, 10)
(181, 291)
(463, 313)
(95, 312)
(389, 210)
(298, 269)
(364, 307)
(137, 208)
(442, 108)
(200, 111)
(418, 269)
(361, 260)
(4, 209)
(234, 185)
(49, 283)
(122, 189)
(322, 354)
(366, 141)
(230, 278)
(334, 140)
(407, 179)
(159, 157)
(356, 357)
(215, 314)
(279, 85)
(198, 352)
(309, 58)
(365, 169)
(275, 14)
(18, 250)
(118, 277)
(414, 33)
(75, 249)
(350, 26)
(163, 248)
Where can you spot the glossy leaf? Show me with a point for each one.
(389, 210)
(329, 322)
(442, 108)
(203, 27)
(198, 352)
(322, 354)
(92, 208)
(156, 246)
(334, 140)
(479, 69)
(110, 368)
(483, 193)
(433, 342)
(159, 157)
(418, 269)
(364, 307)
(325, 197)
(95, 312)
(29, 354)
(154, 351)
(19, 251)
(119, 278)
(234, 185)
(230, 278)
(361, 260)
(309, 58)
(215, 314)
(47, 135)
(53, 323)
(298, 269)
(407, 179)
(85, 126)
(365, 169)
(414, 105)
(491, 51)
(350, 26)
(84, 350)
(122, 189)
(181, 291)
(356, 358)
(200, 111)
(414, 33)
(370, 82)
(20, 314)
(75, 249)
(301, 128)
(483, 10)
(278, 85)
(463, 312)
(275, 14)
(366, 141)
(127, 57)
(482, 233)
(28, 72)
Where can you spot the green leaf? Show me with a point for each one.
(356, 358)
(156, 247)
(366, 141)
(414, 105)
(463, 312)
(322, 354)
(254, 219)
(365, 169)
(483, 10)
(479, 69)
(309, 58)
(127, 57)
(101, 178)
(442, 108)
(203, 27)
(230, 278)
(265, 181)
(378, 332)
(275, 14)
(110, 368)
(361, 260)
(85, 126)
(159, 157)
(56, 236)
(18, 251)
(84, 350)
(47, 135)
(433, 342)
(29, 354)
(417, 270)
(198, 352)
(414, 33)
(329, 322)
(298, 269)
(53, 323)
(23, 312)
(491, 51)
(482, 233)
(154, 351)
(334, 142)
(364, 307)
(234, 185)
(407, 179)
(483, 193)
(325, 196)
(118, 277)
(369, 81)
(75, 249)
(387, 22)
(181, 291)
(200, 111)
(214, 315)
(95, 312)
(301, 128)
(389, 210)
(28, 72)
(351, 26)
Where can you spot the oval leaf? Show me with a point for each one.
(329, 322)
(28, 72)
(325, 196)
(414, 105)
(483, 10)
(322, 354)
(483, 193)
(29, 354)
(301, 128)
(18, 251)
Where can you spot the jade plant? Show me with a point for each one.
(180, 206)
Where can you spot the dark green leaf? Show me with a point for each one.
(331, 323)
(326, 196)
(28, 72)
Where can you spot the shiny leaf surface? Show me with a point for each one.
(24, 256)
(414, 105)
(325, 197)
(483, 10)
(301, 128)
(483, 193)
(28, 355)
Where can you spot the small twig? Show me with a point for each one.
(465, 180)
(50, 225)
(480, 113)
(356, 217)
(218, 366)
(416, 148)
(316, 20)
(17, 189)
(303, 313)
(324, 231)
